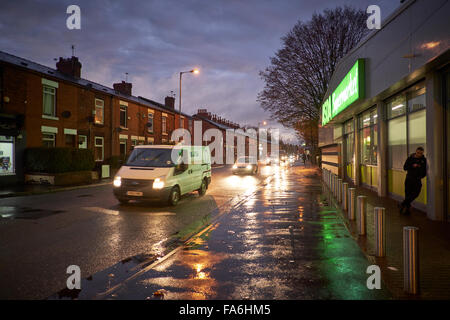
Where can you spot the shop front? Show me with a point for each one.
(389, 101)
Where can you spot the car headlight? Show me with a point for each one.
(117, 181)
(234, 166)
(158, 184)
(249, 167)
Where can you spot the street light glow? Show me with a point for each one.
(196, 71)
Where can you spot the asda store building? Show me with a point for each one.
(388, 96)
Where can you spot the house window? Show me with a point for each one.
(123, 147)
(48, 139)
(69, 140)
(150, 123)
(49, 101)
(99, 149)
(190, 125)
(123, 116)
(99, 111)
(164, 125)
(82, 142)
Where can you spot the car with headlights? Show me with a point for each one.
(163, 172)
(245, 165)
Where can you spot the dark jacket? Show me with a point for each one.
(418, 172)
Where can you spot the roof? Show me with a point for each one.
(214, 123)
(44, 70)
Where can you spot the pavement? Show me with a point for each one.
(434, 247)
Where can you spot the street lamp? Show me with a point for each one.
(194, 71)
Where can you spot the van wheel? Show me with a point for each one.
(174, 196)
(203, 188)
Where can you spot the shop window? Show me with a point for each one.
(417, 135)
(99, 111)
(48, 139)
(123, 116)
(134, 142)
(99, 149)
(368, 137)
(6, 155)
(396, 106)
(349, 138)
(49, 101)
(406, 132)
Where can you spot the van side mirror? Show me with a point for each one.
(180, 168)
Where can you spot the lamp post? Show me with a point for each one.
(195, 71)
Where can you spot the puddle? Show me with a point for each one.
(10, 212)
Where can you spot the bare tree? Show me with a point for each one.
(297, 79)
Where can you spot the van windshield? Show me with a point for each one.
(150, 157)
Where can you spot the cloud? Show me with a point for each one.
(230, 41)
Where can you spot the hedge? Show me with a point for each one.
(58, 160)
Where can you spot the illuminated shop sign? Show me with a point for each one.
(348, 91)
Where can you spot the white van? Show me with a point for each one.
(163, 172)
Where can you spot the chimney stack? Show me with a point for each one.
(123, 87)
(70, 66)
(170, 102)
(202, 112)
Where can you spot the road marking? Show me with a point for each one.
(116, 212)
(102, 210)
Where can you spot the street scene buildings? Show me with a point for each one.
(310, 160)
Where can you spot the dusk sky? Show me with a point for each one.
(229, 41)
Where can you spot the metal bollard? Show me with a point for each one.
(362, 210)
(345, 196)
(351, 203)
(339, 191)
(380, 234)
(335, 186)
(332, 184)
(411, 260)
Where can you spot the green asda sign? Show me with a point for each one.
(348, 91)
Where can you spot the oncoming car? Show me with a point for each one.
(163, 172)
(246, 165)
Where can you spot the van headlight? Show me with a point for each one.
(158, 184)
(234, 166)
(249, 167)
(117, 181)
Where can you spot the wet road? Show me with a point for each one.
(41, 235)
(279, 241)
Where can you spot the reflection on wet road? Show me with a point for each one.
(282, 242)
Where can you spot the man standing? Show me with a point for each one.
(416, 166)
